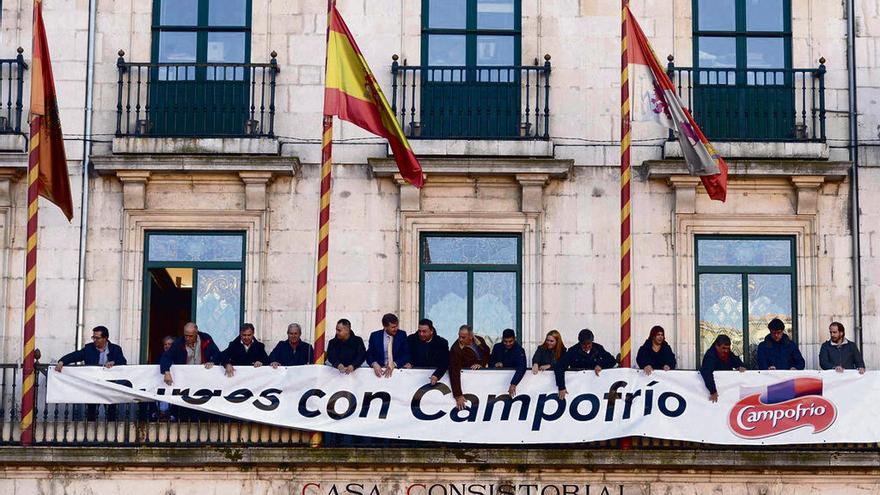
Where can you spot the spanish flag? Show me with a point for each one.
(352, 93)
(47, 143)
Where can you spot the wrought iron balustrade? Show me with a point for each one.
(731, 104)
(196, 100)
(11, 91)
(498, 102)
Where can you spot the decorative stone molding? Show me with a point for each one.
(255, 184)
(532, 186)
(410, 196)
(807, 188)
(685, 190)
(469, 166)
(134, 188)
(831, 171)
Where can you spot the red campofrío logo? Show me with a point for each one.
(782, 407)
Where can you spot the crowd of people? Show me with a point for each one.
(391, 348)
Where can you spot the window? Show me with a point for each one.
(742, 284)
(470, 49)
(473, 279)
(743, 44)
(192, 276)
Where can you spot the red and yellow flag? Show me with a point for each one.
(47, 142)
(352, 93)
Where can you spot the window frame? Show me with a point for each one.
(744, 271)
(470, 269)
(202, 29)
(471, 32)
(195, 266)
(741, 35)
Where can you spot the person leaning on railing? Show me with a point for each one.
(293, 351)
(719, 357)
(656, 353)
(388, 347)
(468, 352)
(99, 352)
(346, 351)
(246, 350)
(549, 353)
(509, 354)
(587, 355)
(428, 350)
(194, 347)
(838, 353)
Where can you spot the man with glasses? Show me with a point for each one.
(293, 351)
(777, 351)
(100, 352)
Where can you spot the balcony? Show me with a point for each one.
(11, 91)
(757, 105)
(186, 100)
(472, 103)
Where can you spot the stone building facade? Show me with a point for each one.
(523, 210)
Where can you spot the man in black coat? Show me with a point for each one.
(509, 354)
(100, 352)
(292, 351)
(719, 357)
(428, 350)
(244, 351)
(194, 347)
(587, 355)
(346, 351)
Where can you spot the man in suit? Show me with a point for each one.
(244, 351)
(100, 352)
(194, 347)
(388, 348)
(293, 351)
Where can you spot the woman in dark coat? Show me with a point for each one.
(548, 353)
(655, 353)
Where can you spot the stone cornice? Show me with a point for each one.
(478, 166)
(276, 165)
(830, 170)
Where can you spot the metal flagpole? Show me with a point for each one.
(625, 199)
(30, 291)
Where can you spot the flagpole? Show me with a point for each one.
(30, 291)
(625, 199)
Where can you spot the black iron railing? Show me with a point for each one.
(11, 90)
(195, 100)
(754, 104)
(502, 102)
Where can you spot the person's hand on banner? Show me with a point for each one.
(648, 370)
(741, 369)
(511, 391)
(257, 364)
(167, 378)
(562, 393)
(597, 369)
(666, 367)
(476, 367)
(389, 370)
(275, 365)
(434, 379)
(348, 369)
(377, 370)
(109, 364)
(861, 371)
(209, 365)
(713, 397)
(230, 370)
(535, 369)
(460, 402)
(58, 366)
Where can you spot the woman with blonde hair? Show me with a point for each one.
(548, 353)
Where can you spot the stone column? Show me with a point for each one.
(532, 186)
(134, 188)
(685, 188)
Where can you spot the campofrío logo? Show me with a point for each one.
(782, 407)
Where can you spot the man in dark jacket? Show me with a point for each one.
(100, 352)
(719, 357)
(778, 352)
(244, 351)
(388, 349)
(587, 355)
(838, 353)
(194, 347)
(428, 350)
(469, 351)
(293, 351)
(509, 354)
(346, 351)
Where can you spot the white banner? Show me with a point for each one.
(754, 408)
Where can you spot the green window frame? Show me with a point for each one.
(202, 28)
(195, 265)
(753, 328)
(471, 32)
(741, 33)
(467, 272)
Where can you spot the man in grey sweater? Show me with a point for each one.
(838, 353)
